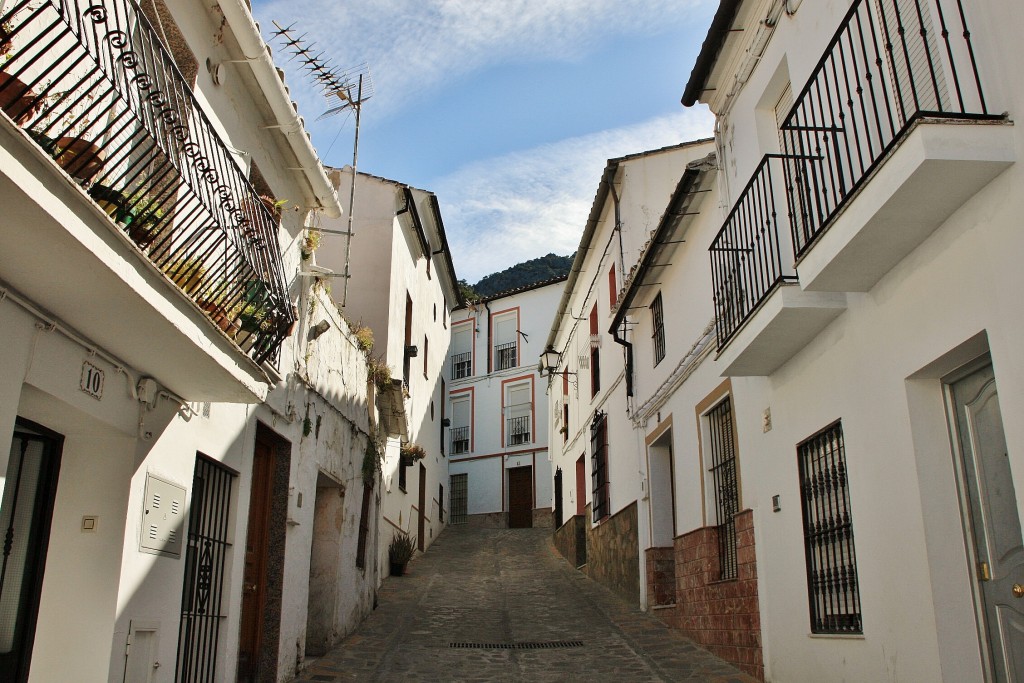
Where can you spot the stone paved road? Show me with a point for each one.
(508, 586)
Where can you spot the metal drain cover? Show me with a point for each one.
(540, 645)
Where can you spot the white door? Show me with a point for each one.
(994, 521)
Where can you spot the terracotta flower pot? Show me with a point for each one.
(80, 158)
(17, 100)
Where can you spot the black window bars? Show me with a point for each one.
(725, 485)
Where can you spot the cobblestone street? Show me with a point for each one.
(503, 588)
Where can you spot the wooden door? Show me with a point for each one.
(254, 582)
(581, 486)
(423, 508)
(25, 514)
(520, 498)
(995, 522)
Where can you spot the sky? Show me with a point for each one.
(506, 109)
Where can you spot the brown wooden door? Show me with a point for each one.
(423, 507)
(581, 486)
(254, 584)
(520, 498)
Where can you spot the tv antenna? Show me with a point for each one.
(344, 89)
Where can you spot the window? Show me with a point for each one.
(426, 353)
(613, 291)
(461, 424)
(402, 467)
(832, 587)
(565, 422)
(599, 466)
(407, 356)
(518, 414)
(506, 331)
(462, 351)
(595, 355)
(459, 498)
(658, 320)
(444, 401)
(725, 484)
(364, 526)
(440, 503)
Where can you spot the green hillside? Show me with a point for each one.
(524, 274)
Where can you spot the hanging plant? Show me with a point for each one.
(310, 243)
(411, 452)
(371, 464)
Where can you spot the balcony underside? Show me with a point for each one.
(783, 324)
(62, 252)
(930, 174)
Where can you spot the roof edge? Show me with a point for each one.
(709, 51)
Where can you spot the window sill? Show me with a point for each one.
(402, 489)
(836, 636)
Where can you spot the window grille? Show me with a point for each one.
(725, 485)
(462, 365)
(599, 466)
(440, 503)
(658, 318)
(832, 587)
(595, 371)
(505, 356)
(517, 431)
(202, 598)
(460, 440)
(402, 476)
(459, 498)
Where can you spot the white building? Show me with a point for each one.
(869, 327)
(827, 481)
(497, 404)
(599, 460)
(403, 287)
(183, 435)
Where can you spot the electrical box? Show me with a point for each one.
(163, 517)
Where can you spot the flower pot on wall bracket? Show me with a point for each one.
(17, 100)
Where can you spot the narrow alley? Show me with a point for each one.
(502, 605)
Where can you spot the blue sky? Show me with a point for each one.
(506, 110)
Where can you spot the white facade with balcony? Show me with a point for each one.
(498, 439)
(184, 435)
(865, 286)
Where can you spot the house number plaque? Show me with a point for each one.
(92, 380)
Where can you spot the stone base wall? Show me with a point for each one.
(661, 576)
(613, 553)
(571, 540)
(543, 518)
(488, 520)
(722, 616)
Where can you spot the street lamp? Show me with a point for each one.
(549, 360)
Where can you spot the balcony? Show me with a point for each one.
(890, 135)
(505, 356)
(882, 155)
(517, 431)
(462, 365)
(460, 440)
(91, 86)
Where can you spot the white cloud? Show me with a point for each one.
(413, 45)
(518, 206)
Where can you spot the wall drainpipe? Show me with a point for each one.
(622, 269)
(488, 307)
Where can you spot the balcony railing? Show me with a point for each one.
(460, 440)
(890, 63)
(517, 431)
(462, 365)
(505, 356)
(747, 259)
(91, 83)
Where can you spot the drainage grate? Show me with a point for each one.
(543, 645)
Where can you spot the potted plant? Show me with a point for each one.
(401, 550)
(186, 273)
(411, 452)
(17, 100)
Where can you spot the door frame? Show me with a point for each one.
(44, 503)
(966, 514)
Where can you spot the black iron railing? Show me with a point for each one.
(725, 485)
(517, 430)
(890, 63)
(832, 586)
(462, 365)
(91, 83)
(599, 483)
(747, 259)
(460, 440)
(505, 356)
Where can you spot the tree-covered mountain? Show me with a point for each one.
(524, 274)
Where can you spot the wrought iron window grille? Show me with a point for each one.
(832, 586)
(658, 323)
(460, 440)
(599, 466)
(517, 431)
(505, 356)
(462, 365)
(725, 485)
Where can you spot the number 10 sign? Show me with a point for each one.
(92, 380)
